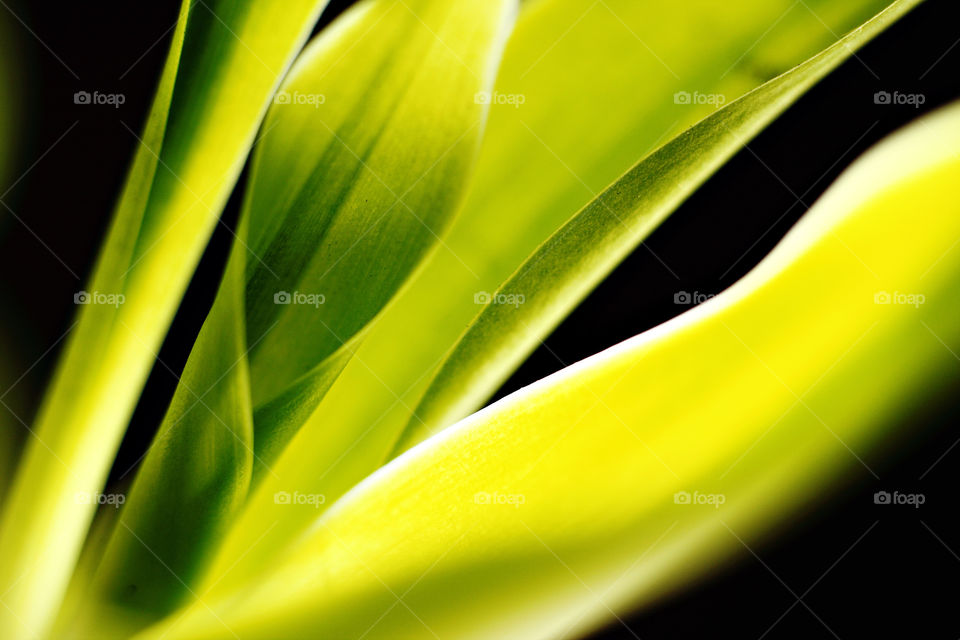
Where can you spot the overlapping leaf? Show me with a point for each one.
(377, 393)
(582, 252)
(365, 158)
(225, 61)
(614, 69)
(622, 477)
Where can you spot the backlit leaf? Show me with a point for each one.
(623, 477)
(369, 150)
(225, 61)
(375, 396)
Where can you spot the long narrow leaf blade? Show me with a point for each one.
(615, 69)
(563, 270)
(623, 477)
(373, 399)
(224, 64)
(371, 145)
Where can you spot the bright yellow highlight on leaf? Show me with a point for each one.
(543, 513)
(372, 403)
(225, 61)
(318, 472)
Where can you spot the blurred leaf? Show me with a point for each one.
(225, 61)
(14, 403)
(13, 399)
(370, 147)
(544, 513)
(13, 392)
(374, 397)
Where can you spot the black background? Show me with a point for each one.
(875, 571)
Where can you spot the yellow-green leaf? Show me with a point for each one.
(612, 69)
(225, 61)
(584, 250)
(369, 150)
(372, 400)
(627, 475)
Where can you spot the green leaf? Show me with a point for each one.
(372, 400)
(565, 268)
(610, 69)
(13, 398)
(623, 477)
(226, 58)
(13, 403)
(369, 150)
(175, 507)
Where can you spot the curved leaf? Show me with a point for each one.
(371, 143)
(225, 61)
(375, 396)
(565, 268)
(611, 69)
(623, 477)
